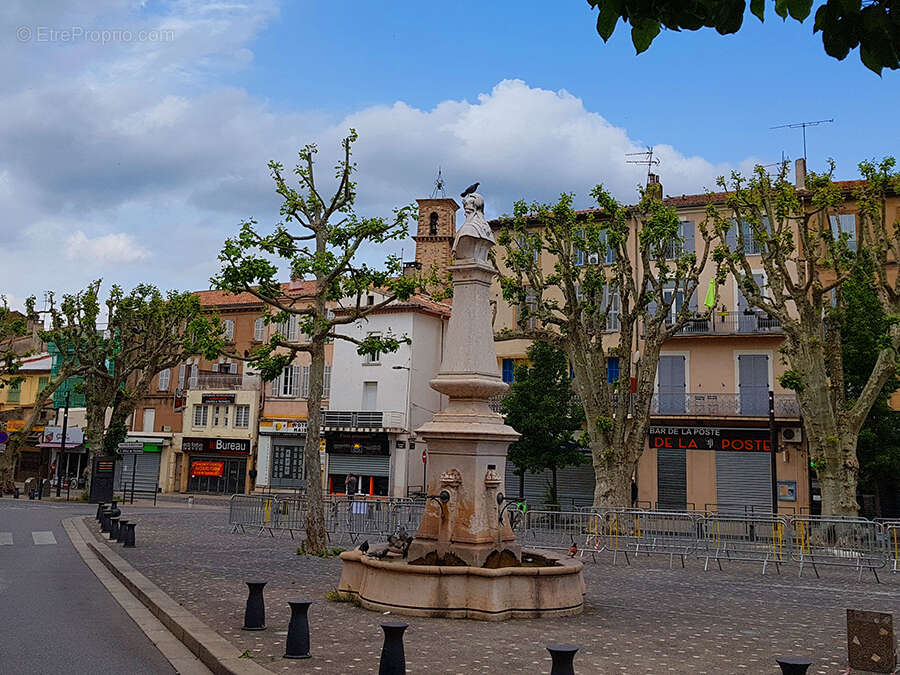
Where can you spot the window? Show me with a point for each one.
(290, 329)
(611, 302)
(149, 419)
(370, 396)
(523, 244)
(228, 326)
(677, 303)
(376, 356)
(433, 224)
(326, 383)
(288, 383)
(531, 304)
(508, 369)
(14, 393)
(43, 381)
(287, 463)
(163, 384)
(844, 224)
(684, 244)
(259, 329)
(612, 369)
(201, 415)
(182, 369)
(242, 416)
(220, 415)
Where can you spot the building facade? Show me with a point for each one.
(16, 405)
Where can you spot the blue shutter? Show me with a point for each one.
(508, 370)
(612, 369)
(687, 232)
(731, 236)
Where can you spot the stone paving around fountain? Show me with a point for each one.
(639, 619)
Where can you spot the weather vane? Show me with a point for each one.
(439, 186)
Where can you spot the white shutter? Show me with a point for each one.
(259, 329)
(305, 383)
(164, 380)
(182, 369)
(326, 383)
(295, 381)
(276, 386)
(215, 367)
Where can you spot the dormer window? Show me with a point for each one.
(433, 224)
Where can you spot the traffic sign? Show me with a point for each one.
(3, 437)
(424, 456)
(131, 448)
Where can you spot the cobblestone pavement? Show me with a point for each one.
(642, 618)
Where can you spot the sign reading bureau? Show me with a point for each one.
(710, 438)
(219, 446)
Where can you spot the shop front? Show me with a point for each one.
(70, 457)
(34, 461)
(366, 456)
(280, 454)
(217, 465)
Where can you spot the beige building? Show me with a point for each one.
(708, 446)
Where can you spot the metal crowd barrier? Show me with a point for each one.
(892, 530)
(750, 538)
(844, 542)
(668, 533)
(252, 511)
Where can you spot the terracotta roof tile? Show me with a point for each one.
(216, 298)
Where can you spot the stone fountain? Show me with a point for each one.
(464, 561)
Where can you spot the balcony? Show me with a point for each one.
(207, 379)
(369, 420)
(753, 404)
(746, 322)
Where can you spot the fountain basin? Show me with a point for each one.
(461, 592)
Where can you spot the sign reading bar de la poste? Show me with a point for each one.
(710, 438)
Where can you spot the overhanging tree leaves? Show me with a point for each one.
(146, 331)
(806, 262)
(320, 240)
(873, 26)
(596, 302)
(542, 407)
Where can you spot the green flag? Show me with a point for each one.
(711, 294)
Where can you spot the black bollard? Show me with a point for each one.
(393, 659)
(563, 659)
(122, 530)
(793, 665)
(129, 535)
(113, 529)
(255, 614)
(104, 520)
(100, 508)
(297, 644)
(115, 511)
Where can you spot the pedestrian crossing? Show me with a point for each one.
(38, 537)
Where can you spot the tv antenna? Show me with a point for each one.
(439, 184)
(803, 125)
(646, 158)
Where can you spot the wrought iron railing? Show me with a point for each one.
(747, 322)
(365, 419)
(755, 404)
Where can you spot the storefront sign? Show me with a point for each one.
(179, 400)
(214, 469)
(218, 399)
(358, 444)
(131, 448)
(74, 435)
(221, 446)
(710, 438)
(283, 426)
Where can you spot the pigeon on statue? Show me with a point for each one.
(364, 546)
(469, 190)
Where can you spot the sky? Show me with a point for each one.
(134, 136)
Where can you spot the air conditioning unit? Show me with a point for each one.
(791, 434)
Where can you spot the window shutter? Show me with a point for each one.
(295, 380)
(215, 367)
(259, 329)
(304, 393)
(687, 232)
(182, 371)
(326, 383)
(276, 386)
(731, 236)
(692, 303)
(164, 380)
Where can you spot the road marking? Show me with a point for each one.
(5, 538)
(43, 537)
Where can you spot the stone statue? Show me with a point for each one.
(474, 239)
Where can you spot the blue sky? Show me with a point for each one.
(132, 159)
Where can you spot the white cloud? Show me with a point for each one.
(107, 248)
(144, 141)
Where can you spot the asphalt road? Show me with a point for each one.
(55, 616)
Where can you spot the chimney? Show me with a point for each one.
(654, 187)
(800, 173)
(412, 269)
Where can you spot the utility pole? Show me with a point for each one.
(62, 445)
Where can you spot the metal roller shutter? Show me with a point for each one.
(146, 473)
(671, 481)
(360, 465)
(574, 485)
(743, 482)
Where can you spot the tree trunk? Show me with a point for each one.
(316, 537)
(612, 475)
(838, 471)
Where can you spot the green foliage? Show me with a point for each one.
(542, 407)
(844, 24)
(13, 326)
(791, 380)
